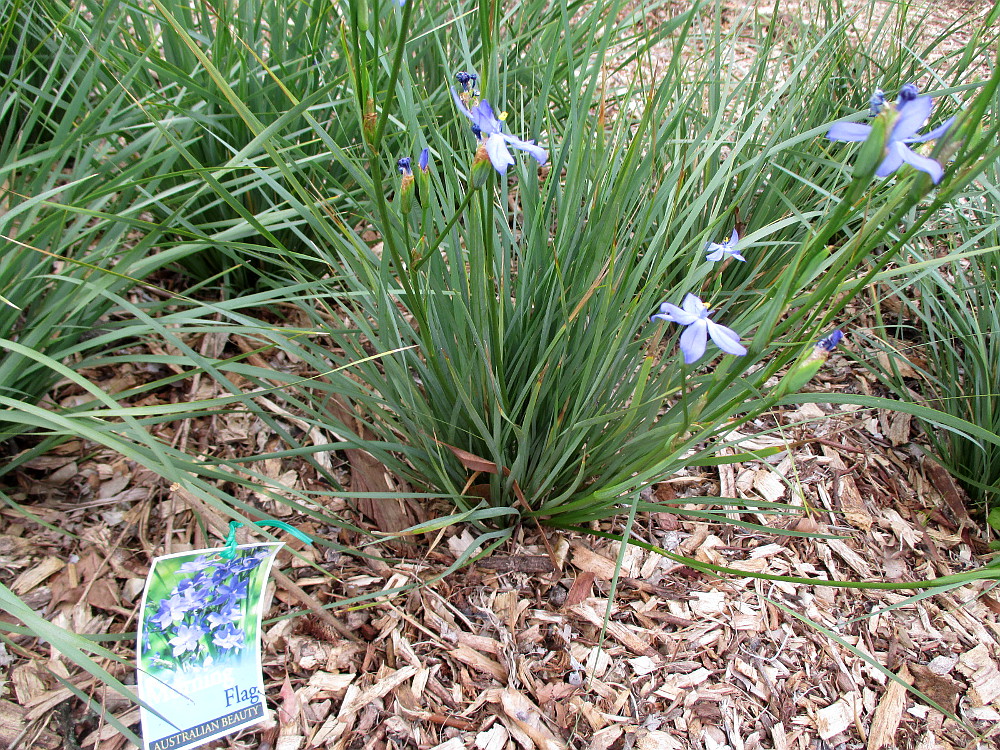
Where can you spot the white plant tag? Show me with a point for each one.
(198, 653)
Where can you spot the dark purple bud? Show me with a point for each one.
(875, 102)
(404, 165)
(466, 80)
(908, 93)
(476, 131)
(829, 343)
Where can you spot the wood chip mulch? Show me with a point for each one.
(522, 650)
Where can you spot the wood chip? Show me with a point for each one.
(356, 699)
(983, 675)
(849, 556)
(851, 503)
(618, 631)
(480, 663)
(495, 738)
(889, 713)
(588, 560)
(654, 739)
(36, 574)
(605, 738)
(526, 716)
(838, 716)
(939, 688)
(581, 589)
(13, 722)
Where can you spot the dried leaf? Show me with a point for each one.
(471, 461)
(941, 689)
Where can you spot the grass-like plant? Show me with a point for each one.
(940, 344)
(72, 223)
(248, 99)
(528, 382)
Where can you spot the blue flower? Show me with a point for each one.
(912, 112)
(194, 597)
(227, 613)
(235, 589)
(197, 565)
(187, 639)
(486, 124)
(243, 564)
(171, 610)
(694, 315)
(229, 638)
(718, 251)
(403, 165)
(829, 343)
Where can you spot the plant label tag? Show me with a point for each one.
(198, 653)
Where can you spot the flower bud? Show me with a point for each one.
(876, 102)
(804, 370)
(423, 176)
(406, 193)
(908, 92)
(406, 185)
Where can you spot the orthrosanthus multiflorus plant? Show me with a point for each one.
(909, 116)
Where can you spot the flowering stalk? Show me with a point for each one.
(408, 185)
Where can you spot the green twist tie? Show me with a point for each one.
(230, 551)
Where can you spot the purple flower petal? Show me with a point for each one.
(726, 338)
(912, 111)
(537, 152)
(893, 160)
(715, 251)
(693, 341)
(496, 148)
(485, 123)
(849, 131)
(923, 163)
(694, 306)
(674, 314)
(912, 115)
(939, 131)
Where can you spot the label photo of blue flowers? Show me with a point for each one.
(198, 652)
